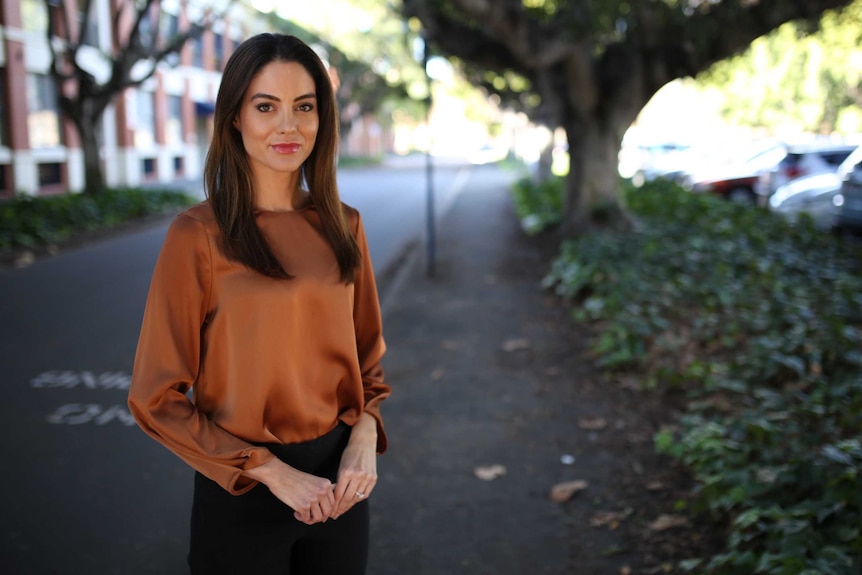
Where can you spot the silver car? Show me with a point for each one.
(848, 201)
(801, 162)
(812, 195)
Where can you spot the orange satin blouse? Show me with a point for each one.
(268, 361)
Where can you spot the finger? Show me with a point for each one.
(342, 485)
(302, 516)
(327, 504)
(365, 488)
(340, 499)
(359, 494)
(316, 512)
(354, 495)
(343, 488)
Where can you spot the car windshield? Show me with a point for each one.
(766, 158)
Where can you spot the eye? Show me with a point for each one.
(265, 107)
(306, 107)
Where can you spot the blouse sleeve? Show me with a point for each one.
(168, 360)
(369, 336)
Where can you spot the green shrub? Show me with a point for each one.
(757, 324)
(29, 222)
(539, 206)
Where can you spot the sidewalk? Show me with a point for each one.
(488, 370)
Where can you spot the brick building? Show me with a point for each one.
(158, 132)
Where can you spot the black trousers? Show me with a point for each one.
(256, 533)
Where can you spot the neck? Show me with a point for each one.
(279, 194)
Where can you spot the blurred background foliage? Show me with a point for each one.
(792, 76)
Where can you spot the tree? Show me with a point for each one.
(139, 45)
(595, 64)
(791, 78)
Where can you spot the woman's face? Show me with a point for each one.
(278, 119)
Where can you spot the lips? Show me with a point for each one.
(291, 148)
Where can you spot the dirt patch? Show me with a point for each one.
(642, 497)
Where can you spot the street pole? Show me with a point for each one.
(431, 239)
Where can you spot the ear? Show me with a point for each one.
(235, 122)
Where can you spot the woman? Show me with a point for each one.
(263, 302)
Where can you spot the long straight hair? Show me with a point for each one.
(227, 173)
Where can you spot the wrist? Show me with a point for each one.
(264, 473)
(365, 429)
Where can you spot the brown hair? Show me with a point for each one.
(227, 173)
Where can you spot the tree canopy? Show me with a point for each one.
(589, 67)
(788, 78)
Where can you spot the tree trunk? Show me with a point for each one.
(545, 163)
(592, 186)
(94, 179)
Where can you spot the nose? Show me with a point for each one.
(287, 122)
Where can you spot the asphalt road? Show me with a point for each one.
(86, 492)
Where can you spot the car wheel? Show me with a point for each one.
(741, 196)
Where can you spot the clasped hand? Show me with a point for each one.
(315, 499)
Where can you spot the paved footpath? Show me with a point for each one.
(482, 377)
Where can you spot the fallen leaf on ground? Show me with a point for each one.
(664, 522)
(24, 259)
(610, 518)
(436, 374)
(595, 423)
(551, 371)
(489, 472)
(655, 486)
(450, 344)
(516, 344)
(625, 570)
(562, 492)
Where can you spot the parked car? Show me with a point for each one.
(736, 181)
(813, 195)
(661, 161)
(848, 200)
(800, 162)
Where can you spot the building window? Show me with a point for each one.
(5, 184)
(4, 118)
(174, 124)
(146, 29)
(148, 167)
(34, 15)
(43, 112)
(179, 169)
(218, 42)
(169, 26)
(197, 51)
(50, 175)
(145, 120)
(90, 28)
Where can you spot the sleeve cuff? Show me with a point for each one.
(239, 482)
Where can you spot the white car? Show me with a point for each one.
(813, 195)
(848, 200)
(800, 162)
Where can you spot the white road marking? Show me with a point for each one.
(86, 413)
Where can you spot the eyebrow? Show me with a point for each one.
(262, 96)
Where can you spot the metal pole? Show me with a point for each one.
(431, 240)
